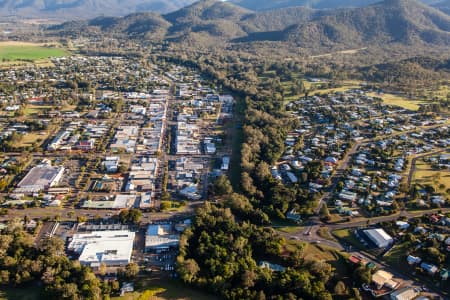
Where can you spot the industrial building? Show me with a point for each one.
(160, 238)
(39, 178)
(112, 248)
(379, 237)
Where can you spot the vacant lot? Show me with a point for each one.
(19, 51)
(424, 174)
(164, 288)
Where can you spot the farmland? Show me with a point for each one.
(29, 52)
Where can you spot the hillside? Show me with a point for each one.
(394, 21)
(83, 9)
(443, 6)
(208, 22)
(258, 5)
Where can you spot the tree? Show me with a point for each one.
(222, 186)
(340, 288)
(188, 270)
(325, 213)
(131, 216)
(131, 271)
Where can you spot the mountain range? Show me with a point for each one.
(209, 22)
(317, 4)
(86, 9)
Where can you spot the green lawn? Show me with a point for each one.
(18, 51)
(348, 236)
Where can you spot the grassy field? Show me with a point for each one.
(324, 233)
(425, 174)
(31, 138)
(390, 99)
(155, 288)
(316, 252)
(397, 255)
(20, 51)
(347, 236)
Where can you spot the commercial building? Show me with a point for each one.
(379, 237)
(160, 238)
(112, 248)
(40, 178)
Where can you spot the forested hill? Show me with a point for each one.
(317, 4)
(208, 22)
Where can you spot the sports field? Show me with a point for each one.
(22, 51)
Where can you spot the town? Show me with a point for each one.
(112, 155)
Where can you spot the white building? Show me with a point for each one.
(406, 293)
(379, 237)
(113, 248)
(160, 238)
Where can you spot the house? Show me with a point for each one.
(272, 267)
(85, 145)
(406, 293)
(382, 279)
(402, 225)
(412, 260)
(429, 268)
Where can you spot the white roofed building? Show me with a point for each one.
(112, 248)
(379, 237)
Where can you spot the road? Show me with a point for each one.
(342, 166)
(310, 234)
(413, 163)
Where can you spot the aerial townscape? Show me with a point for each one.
(234, 149)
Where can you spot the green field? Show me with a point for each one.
(18, 51)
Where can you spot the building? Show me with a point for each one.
(384, 279)
(429, 268)
(379, 237)
(112, 248)
(412, 260)
(406, 293)
(40, 178)
(272, 267)
(160, 238)
(111, 164)
(225, 163)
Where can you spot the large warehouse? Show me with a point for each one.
(113, 248)
(379, 237)
(41, 177)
